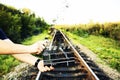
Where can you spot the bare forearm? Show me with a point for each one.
(8, 47)
(28, 58)
(18, 48)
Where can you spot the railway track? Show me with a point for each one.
(69, 62)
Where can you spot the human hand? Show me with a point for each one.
(38, 47)
(45, 42)
(43, 68)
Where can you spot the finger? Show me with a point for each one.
(51, 67)
(44, 69)
(45, 42)
(40, 49)
(47, 68)
(42, 46)
(41, 70)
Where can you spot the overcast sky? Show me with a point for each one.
(71, 11)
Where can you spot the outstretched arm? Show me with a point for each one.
(8, 47)
(30, 59)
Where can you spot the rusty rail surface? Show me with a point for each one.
(69, 62)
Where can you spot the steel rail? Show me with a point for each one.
(91, 73)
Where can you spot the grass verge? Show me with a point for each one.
(106, 49)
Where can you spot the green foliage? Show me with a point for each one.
(7, 62)
(80, 32)
(28, 25)
(24, 25)
(107, 49)
(35, 38)
(111, 30)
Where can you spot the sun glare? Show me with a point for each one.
(71, 11)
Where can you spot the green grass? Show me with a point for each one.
(7, 62)
(35, 38)
(107, 49)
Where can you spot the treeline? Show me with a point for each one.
(20, 24)
(111, 30)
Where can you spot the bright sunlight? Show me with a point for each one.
(71, 11)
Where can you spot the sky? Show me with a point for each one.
(71, 11)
